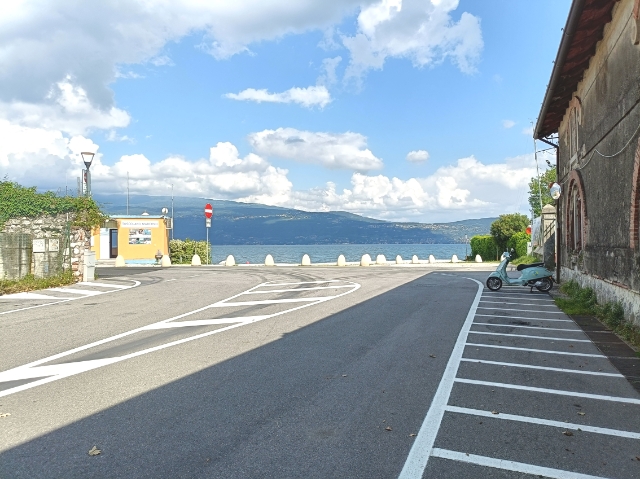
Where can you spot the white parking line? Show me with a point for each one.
(531, 337)
(528, 327)
(537, 350)
(545, 368)
(523, 304)
(272, 301)
(510, 465)
(84, 292)
(558, 392)
(423, 444)
(509, 296)
(267, 291)
(524, 317)
(54, 372)
(103, 285)
(544, 422)
(525, 310)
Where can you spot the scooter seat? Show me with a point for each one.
(520, 267)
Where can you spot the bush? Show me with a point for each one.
(485, 246)
(518, 242)
(181, 252)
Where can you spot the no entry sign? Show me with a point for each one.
(208, 211)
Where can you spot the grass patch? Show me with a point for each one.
(525, 260)
(582, 301)
(31, 283)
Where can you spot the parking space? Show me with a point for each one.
(529, 396)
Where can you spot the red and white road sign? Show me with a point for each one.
(208, 210)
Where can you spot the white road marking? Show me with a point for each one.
(509, 297)
(525, 310)
(205, 322)
(271, 301)
(528, 327)
(103, 285)
(523, 304)
(537, 350)
(488, 292)
(60, 300)
(510, 465)
(54, 372)
(267, 291)
(30, 296)
(421, 449)
(545, 422)
(558, 392)
(303, 282)
(524, 317)
(545, 368)
(531, 337)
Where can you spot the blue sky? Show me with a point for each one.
(150, 90)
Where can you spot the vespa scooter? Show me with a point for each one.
(534, 275)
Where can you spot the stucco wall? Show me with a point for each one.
(608, 98)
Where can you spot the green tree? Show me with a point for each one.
(547, 177)
(506, 226)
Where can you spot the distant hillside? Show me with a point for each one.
(248, 223)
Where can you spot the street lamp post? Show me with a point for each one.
(87, 157)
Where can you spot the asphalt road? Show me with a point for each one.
(306, 372)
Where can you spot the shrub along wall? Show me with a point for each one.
(181, 251)
(485, 246)
(518, 242)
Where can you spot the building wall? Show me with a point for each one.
(142, 252)
(607, 101)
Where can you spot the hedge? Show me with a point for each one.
(485, 246)
(518, 242)
(181, 252)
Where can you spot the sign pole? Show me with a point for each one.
(208, 213)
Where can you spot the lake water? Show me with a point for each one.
(329, 253)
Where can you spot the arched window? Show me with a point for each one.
(575, 220)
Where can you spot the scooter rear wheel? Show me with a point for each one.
(547, 284)
(494, 284)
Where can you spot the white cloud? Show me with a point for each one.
(418, 156)
(328, 75)
(508, 124)
(528, 131)
(113, 136)
(421, 31)
(346, 151)
(307, 97)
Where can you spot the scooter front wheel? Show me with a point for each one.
(494, 284)
(546, 285)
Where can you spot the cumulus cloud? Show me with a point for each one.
(328, 75)
(307, 97)
(418, 156)
(347, 151)
(421, 31)
(508, 124)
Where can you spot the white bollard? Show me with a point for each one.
(432, 259)
(415, 260)
(306, 261)
(119, 261)
(454, 259)
(268, 261)
(165, 262)
(399, 259)
(230, 261)
(381, 259)
(195, 261)
(478, 258)
(342, 260)
(365, 260)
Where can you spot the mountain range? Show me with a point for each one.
(250, 223)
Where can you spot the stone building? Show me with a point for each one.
(591, 114)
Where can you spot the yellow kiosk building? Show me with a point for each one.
(137, 238)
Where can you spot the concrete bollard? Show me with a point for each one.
(399, 259)
(432, 259)
(195, 261)
(342, 260)
(415, 260)
(478, 258)
(165, 262)
(306, 261)
(381, 259)
(230, 261)
(120, 261)
(268, 261)
(454, 259)
(365, 260)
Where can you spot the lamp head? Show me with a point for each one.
(87, 157)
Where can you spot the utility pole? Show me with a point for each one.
(172, 218)
(127, 192)
(535, 155)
